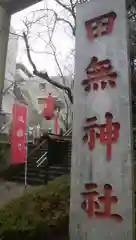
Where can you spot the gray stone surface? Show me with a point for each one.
(92, 166)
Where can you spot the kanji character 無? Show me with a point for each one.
(99, 73)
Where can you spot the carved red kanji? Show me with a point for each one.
(107, 133)
(92, 202)
(100, 26)
(99, 74)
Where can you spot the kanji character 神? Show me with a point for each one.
(107, 133)
(99, 73)
(100, 26)
(92, 202)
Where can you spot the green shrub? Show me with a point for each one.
(40, 214)
(4, 156)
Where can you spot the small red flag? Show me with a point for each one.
(48, 110)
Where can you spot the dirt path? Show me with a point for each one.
(9, 191)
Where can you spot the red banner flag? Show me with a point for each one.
(18, 134)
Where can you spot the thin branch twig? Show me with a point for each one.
(44, 75)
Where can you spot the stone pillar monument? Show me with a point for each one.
(101, 176)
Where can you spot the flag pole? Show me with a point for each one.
(26, 172)
(26, 150)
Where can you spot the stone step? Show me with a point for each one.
(38, 149)
(52, 177)
(34, 174)
(31, 172)
(44, 171)
(59, 167)
(37, 154)
(30, 181)
(57, 172)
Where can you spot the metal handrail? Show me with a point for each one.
(44, 156)
(4, 126)
(67, 132)
(42, 161)
(41, 157)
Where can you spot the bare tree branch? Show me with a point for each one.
(24, 69)
(45, 75)
(6, 90)
(71, 10)
(64, 6)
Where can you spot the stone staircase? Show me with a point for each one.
(57, 171)
(38, 172)
(35, 175)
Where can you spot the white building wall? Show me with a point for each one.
(32, 85)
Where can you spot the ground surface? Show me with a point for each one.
(9, 191)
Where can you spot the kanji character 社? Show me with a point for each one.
(92, 202)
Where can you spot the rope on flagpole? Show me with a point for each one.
(26, 150)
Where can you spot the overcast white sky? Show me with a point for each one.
(63, 42)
